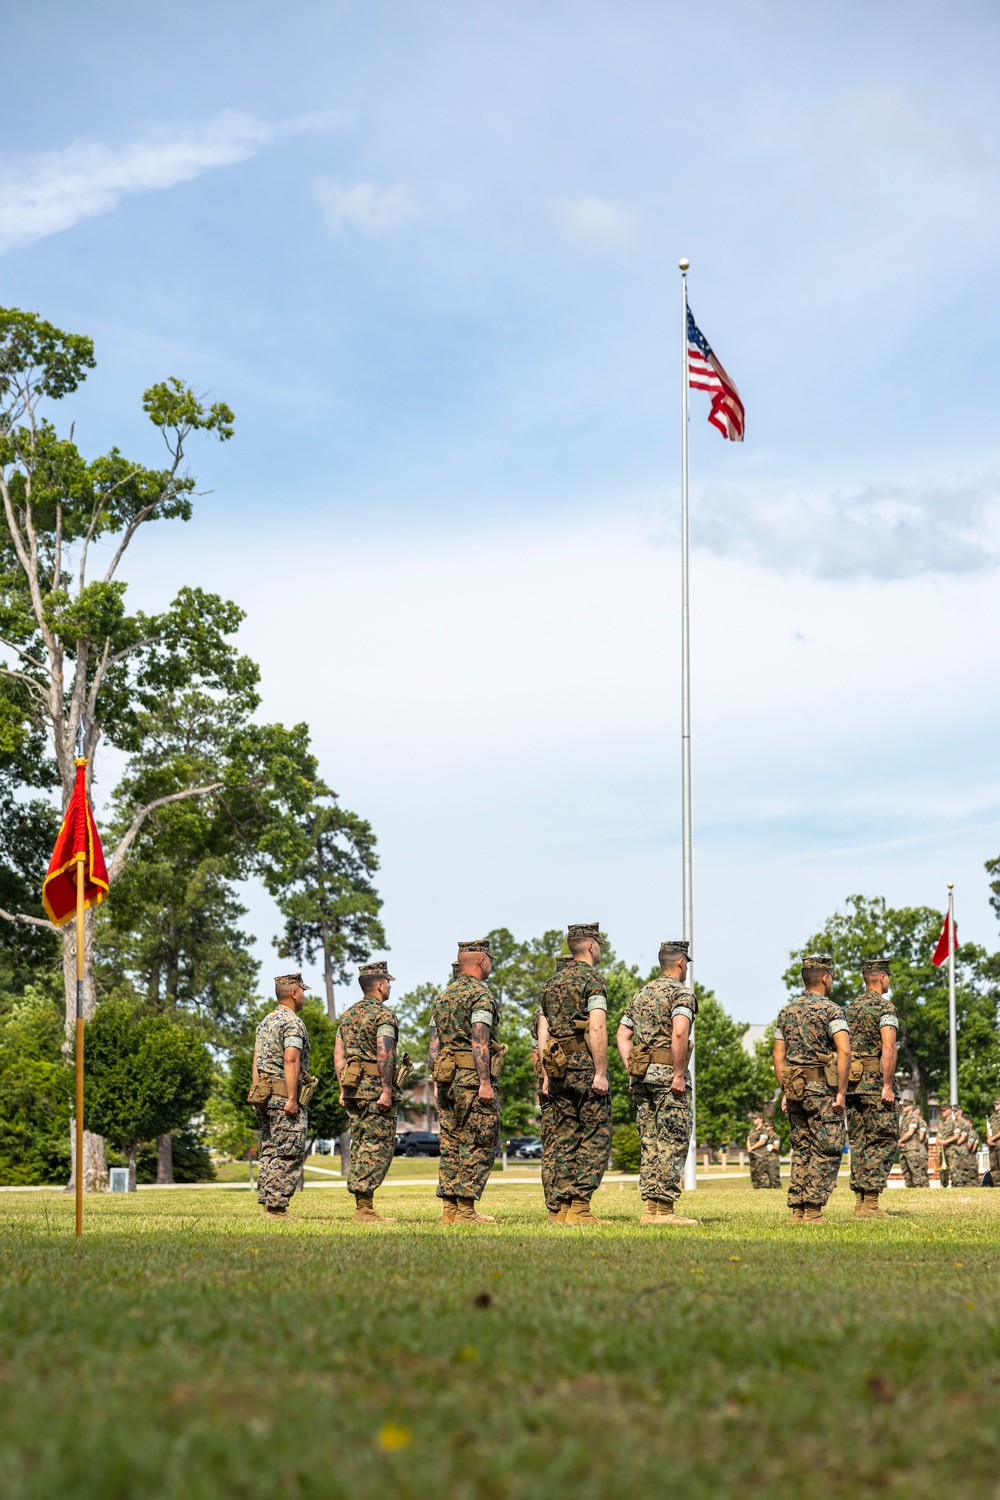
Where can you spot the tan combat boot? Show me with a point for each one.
(797, 1213)
(859, 1203)
(467, 1213)
(812, 1214)
(274, 1213)
(649, 1212)
(365, 1211)
(869, 1208)
(579, 1214)
(558, 1215)
(449, 1210)
(666, 1214)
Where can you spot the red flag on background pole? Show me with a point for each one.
(940, 954)
(78, 839)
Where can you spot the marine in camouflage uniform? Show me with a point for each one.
(968, 1153)
(464, 1022)
(655, 1035)
(808, 1029)
(946, 1133)
(872, 1109)
(365, 1059)
(574, 1038)
(282, 1039)
(762, 1149)
(913, 1148)
(993, 1142)
(548, 1192)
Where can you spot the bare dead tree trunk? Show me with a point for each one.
(95, 1158)
(164, 1158)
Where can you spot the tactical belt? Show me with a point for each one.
(662, 1056)
(464, 1059)
(871, 1063)
(811, 1072)
(576, 1043)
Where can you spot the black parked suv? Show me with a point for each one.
(417, 1143)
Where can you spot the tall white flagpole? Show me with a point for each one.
(691, 1165)
(952, 1027)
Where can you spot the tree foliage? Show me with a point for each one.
(36, 1088)
(146, 1073)
(727, 1082)
(325, 892)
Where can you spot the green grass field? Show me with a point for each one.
(187, 1349)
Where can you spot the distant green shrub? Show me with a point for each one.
(625, 1148)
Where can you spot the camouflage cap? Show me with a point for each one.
(874, 965)
(379, 970)
(817, 961)
(477, 945)
(590, 930)
(680, 947)
(291, 979)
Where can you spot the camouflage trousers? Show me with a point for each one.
(765, 1171)
(664, 1121)
(873, 1130)
(544, 1131)
(964, 1167)
(282, 1152)
(373, 1136)
(914, 1165)
(579, 1141)
(995, 1165)
(470, 1135)
(818, 1139)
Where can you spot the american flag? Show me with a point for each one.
(706, 374)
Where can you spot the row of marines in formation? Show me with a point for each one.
(957, 1139)
(826, 1060)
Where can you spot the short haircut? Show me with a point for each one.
(670, 956)
(369, 981)
(813, 975)
(283, 987)
(578, 944)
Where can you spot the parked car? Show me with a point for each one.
(417, 1143)
(525, 1146)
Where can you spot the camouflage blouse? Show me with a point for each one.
(649, 1016)
(465, 1001)
(807, 1026)
(993, 1126)
(867, 1013)
(570, 995)
(366, 1020)
(280, 1029)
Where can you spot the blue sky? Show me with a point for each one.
(428, 253)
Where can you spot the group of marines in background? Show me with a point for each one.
(835, 1066)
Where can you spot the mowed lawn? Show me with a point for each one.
(187, 1349)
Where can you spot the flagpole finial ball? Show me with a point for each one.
(951, 885)
(684, 264)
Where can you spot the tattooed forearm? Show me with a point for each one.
(385, 1051)
(481, 1050)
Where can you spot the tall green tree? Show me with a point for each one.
(907, 935)
(73, 656)
(36, 1087)
(326, 895)
(146, 1074)
(727, 1079)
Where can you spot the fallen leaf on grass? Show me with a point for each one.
(392, 1436)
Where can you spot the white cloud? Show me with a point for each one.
(877, 531)
(598, 223)
(363, 207)
(46, 193)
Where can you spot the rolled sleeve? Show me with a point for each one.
(683, 1010)
(484, 1016)
(627, 1021)
(386, 1031)
(890, 1020)
(779, 1035)
(293, 1041)
(838, 1024)
(597, 1002)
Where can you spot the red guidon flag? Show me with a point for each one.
(78, 840)
(940, 954)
